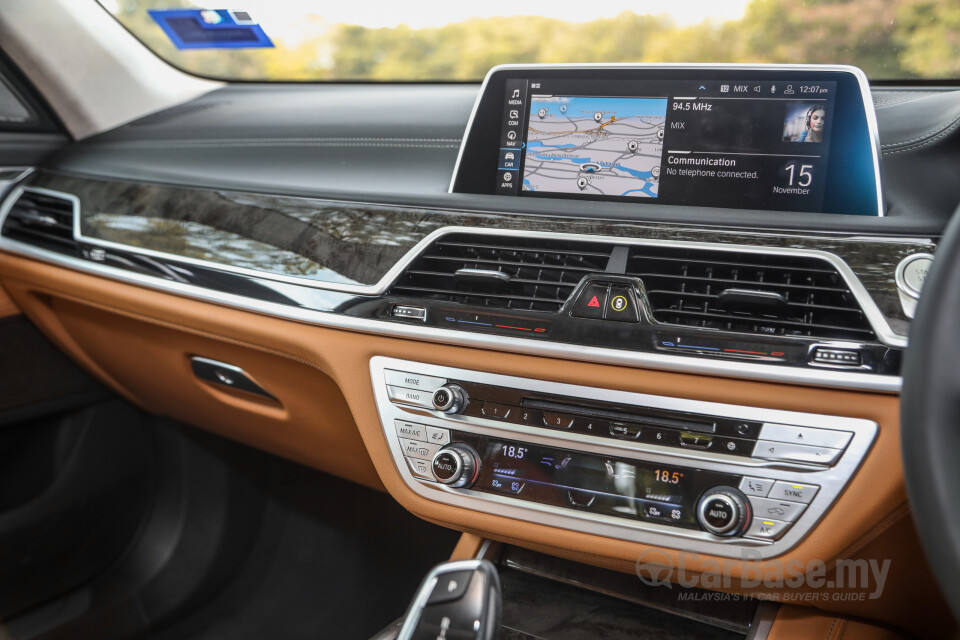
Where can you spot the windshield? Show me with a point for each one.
(461, 41)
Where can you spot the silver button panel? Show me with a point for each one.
(420, 469)
(410, 430)
(776, 509)
(415, 397)
(792, 476)
(793, 491)
(809, 436)
(417, 449)
(419, 443)
(767, 529)
(756, 486)
(406, 380)
(788, 452)
(438, 436)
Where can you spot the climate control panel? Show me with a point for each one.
(668, 471)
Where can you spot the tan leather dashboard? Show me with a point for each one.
(139, 342)
(7, 307)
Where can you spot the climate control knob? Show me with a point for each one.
(724, 511)
(457, 465)
(450, 398)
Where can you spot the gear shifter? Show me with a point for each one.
(457, 601)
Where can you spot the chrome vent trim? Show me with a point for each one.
(536, 274)
(779, 295)
(42, 218)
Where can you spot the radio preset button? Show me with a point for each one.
(591, 426)
(417, 449)
(662, 437)
(410, 430)
(438, 436)
(756, 486)
(793, 491)
(767, 529)
(695, 440)
(409, 380)
(810, 436)
(557, 420)
(789, 452)
(528, 416)
(420, 469)
(625, 430)
(495, 411)
(776, 509)
(413, 397)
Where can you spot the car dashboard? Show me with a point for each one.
(337, 275)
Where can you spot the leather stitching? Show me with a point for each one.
(844, 625)
(830, 630)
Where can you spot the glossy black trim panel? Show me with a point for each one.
(350, 246)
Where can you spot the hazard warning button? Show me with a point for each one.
(592, 301)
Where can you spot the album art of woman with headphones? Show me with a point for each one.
(804, 122)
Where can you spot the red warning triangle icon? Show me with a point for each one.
(593, 302)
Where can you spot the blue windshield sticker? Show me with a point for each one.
(211, 29)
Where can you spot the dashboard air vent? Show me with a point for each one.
(770, 294)
(504, 272)
(42, 220)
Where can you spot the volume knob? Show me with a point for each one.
(457, 465)
(450, 398)
(724, 511)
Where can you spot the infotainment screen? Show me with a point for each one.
(776, 139)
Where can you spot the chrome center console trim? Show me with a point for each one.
(831, 480)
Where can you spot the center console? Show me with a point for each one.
(695, 475)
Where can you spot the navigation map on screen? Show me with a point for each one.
(594, 145)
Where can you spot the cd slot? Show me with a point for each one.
(646, 419)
